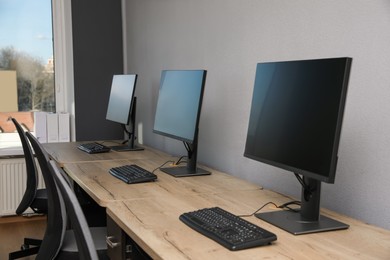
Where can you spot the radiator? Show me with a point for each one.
(13, 184)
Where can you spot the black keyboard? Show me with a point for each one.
(227, 229)
(94, 148)
(132, 174)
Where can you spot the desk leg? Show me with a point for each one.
(120, 245)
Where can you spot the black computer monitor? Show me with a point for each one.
(177, 114)
(295, 124)
(122, 108)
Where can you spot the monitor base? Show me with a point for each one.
(182, 171)
(123, 148)
(293, 223)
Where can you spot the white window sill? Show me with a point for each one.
(10, 145)
(11, 151)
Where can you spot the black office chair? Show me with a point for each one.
(82, 233)
(59, 243)
(33, 197)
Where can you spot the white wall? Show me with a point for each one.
(228, 38)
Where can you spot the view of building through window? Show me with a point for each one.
(26, 56)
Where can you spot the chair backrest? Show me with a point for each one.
(85, 244)
(56, 215)
(31, 168)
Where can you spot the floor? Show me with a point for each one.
(13, 229)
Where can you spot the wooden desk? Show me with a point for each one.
(149, 212)
(69, 153)
(93, 177)
(154, 224)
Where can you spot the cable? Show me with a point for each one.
(287, 205)
(162, 165)
(179, 160)
(283, 206)
(301, 181)
(129, 134)
(250, 215)
(188, 148)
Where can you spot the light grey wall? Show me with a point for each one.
(228, 38)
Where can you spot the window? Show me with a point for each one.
(26, 55)
(26, 63)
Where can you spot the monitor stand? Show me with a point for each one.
(308, 220)
(131, 140)
(183, 171)
(123, 148)
(189, 170)
(294, 223)
(130, 144)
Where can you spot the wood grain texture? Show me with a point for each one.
(93, 177)
(154, 224)
(91, 173)
(149, 212)
(68, 153)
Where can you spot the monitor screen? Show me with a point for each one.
(121, 98)
(122, 109)
(296, 114)
(179, 103)
(295, 124)
(177, 114)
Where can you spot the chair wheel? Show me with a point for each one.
(24, 247)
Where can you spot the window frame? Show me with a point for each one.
(63, 59)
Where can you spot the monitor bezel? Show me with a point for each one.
(308, 219)
(196, 130)
(129, 112)
(330, 177)
(129, 134)
(191, 169)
